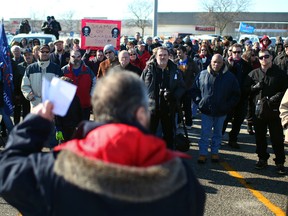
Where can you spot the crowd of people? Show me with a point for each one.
(136, 94)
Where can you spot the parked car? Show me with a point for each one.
(43, 38)
(253, 38)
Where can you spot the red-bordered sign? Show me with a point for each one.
(95, 34)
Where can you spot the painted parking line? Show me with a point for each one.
(275, 209)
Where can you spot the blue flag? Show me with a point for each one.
(245, 28)
(6, 76)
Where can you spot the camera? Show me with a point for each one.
(165, 93)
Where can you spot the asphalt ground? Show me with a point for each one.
(233, 186)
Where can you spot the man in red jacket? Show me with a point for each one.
(84, 78)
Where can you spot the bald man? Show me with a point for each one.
(216, 91)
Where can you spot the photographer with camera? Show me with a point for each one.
(165, 88)
(267, 86)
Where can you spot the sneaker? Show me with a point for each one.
(261, 164)
(215, 158)
(202, 159)
(280, 169)
(234, 144)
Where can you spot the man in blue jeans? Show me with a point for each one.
(216, 91)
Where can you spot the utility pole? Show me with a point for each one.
(155, 18)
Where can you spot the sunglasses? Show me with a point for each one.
(264, 57)
(44, 51)
(236, 52)
(76, 56)
(203, 50)
(131, 54)
(108, 52)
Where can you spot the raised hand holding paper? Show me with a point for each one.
(60, 93)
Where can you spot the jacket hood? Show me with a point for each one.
(121, 144)
(223, 70)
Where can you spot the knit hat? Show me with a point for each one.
(248, 42)
(109, 47)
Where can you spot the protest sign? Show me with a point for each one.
(95, 34)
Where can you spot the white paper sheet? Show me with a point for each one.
(60, 93)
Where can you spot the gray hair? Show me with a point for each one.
(117, 97)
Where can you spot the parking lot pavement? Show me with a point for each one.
(233, 186)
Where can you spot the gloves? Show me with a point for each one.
(59, 136)
(258, 86)
(273, 99)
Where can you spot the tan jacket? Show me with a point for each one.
(284, 110)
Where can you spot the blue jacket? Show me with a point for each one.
(216, 94)
(73, 180)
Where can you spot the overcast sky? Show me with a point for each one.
(112, 9)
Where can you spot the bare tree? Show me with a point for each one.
(222, 12)
(140, 11)
(67, 21)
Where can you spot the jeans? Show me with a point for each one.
(7, 120)
(208, 123)
(194, 109)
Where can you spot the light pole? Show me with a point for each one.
(155, 18)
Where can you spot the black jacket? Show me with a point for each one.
(176, 82)
(275, 83)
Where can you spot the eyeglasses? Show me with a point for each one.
(76, 56)
(44, 51)
(264, 57)
(236, 52)
(131, 54)
(108, 52)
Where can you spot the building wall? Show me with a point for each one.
(272, 24)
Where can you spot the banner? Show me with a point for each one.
(95, 34)
(245, 28)
(205, 28)
(6, 76)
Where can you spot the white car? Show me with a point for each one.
(43, 38)
(253, 38)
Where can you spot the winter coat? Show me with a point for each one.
(85, 82)
(113, 169)
(190, 73)
(275, 83)
(32, 80)
(176, 83)
(216, 94)
(282, 62)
